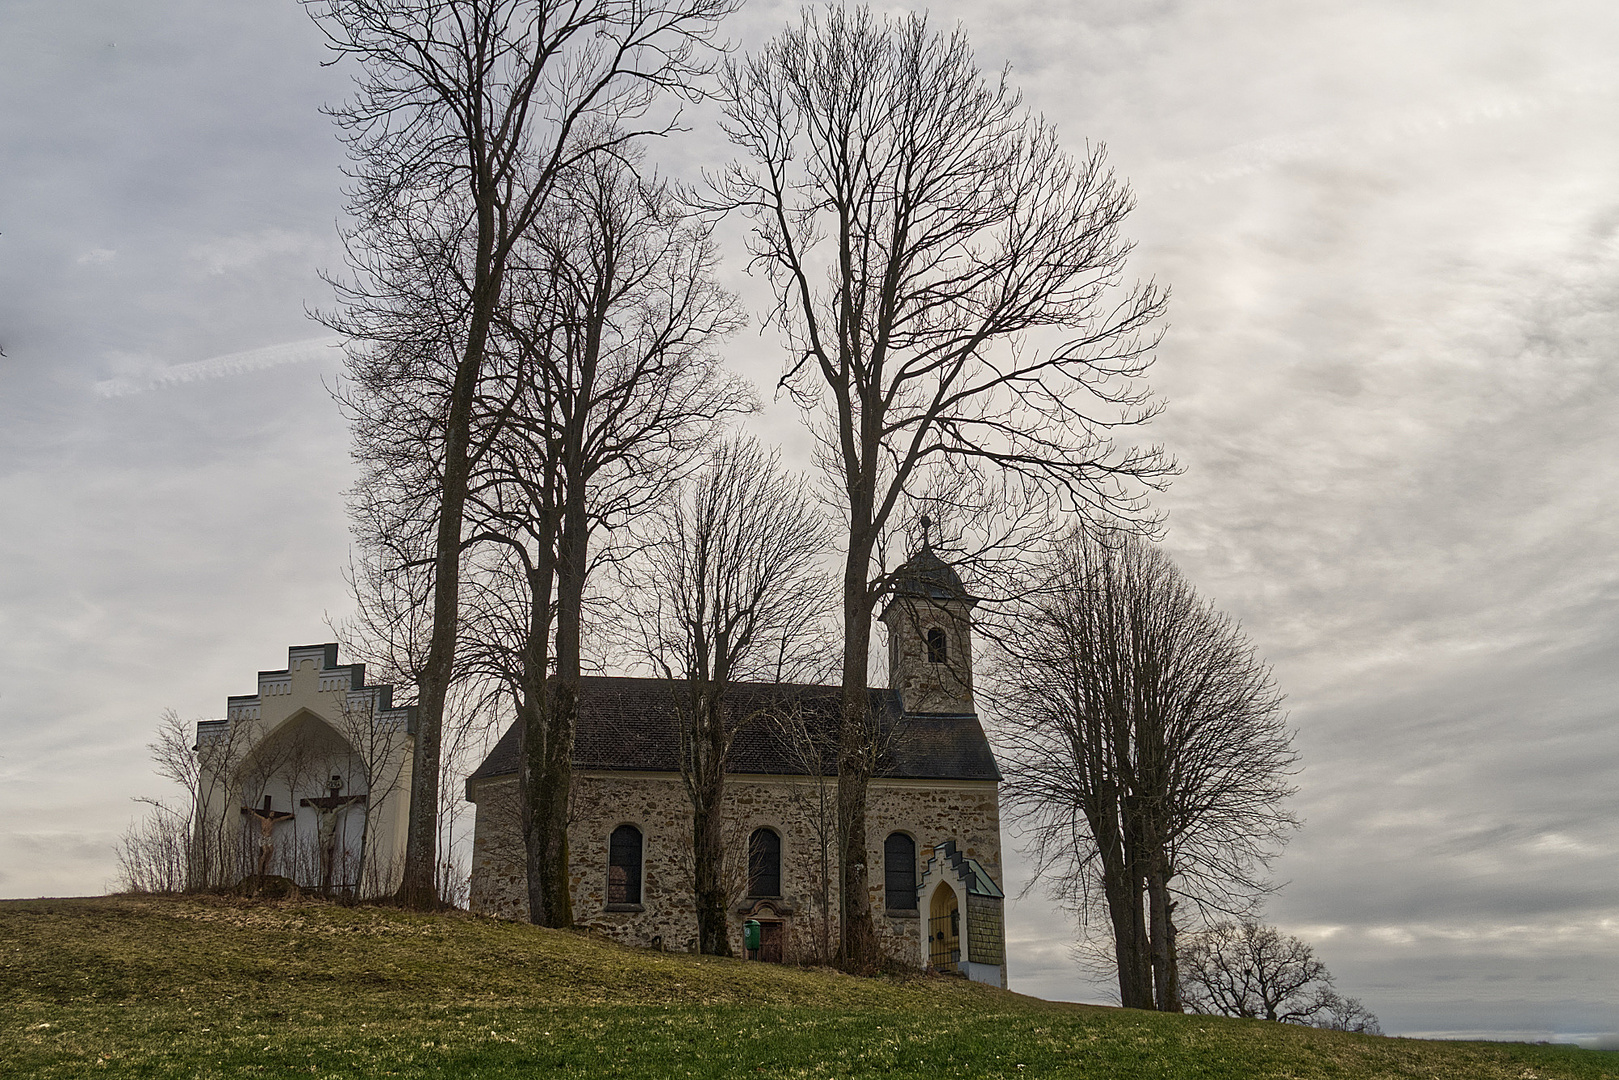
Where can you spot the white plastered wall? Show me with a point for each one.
(304, 725)
(938, 872)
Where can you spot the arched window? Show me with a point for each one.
(936, 646)
(624, 866)
(899, 872)
(764, 863)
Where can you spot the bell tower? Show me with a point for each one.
(930, 647)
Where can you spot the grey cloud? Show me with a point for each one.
(1563, 89)
(1390, 377)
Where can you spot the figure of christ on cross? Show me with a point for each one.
(267, 819)
(327, 809)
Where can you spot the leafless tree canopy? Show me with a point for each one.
(728, 589)
(1147, 753)
(613, 388)
(173, 849)
(916, 220)
(464, 114)
(1244, 968)
(949, 283)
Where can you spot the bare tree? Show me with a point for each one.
(152, 854)
(1147, 752)
(172, 849)
(1244, 968)
(948, 282)
(464, 113)
(728, 590)
(1346, 1014)
(813, 750)
(612, 319)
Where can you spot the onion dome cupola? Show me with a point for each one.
(929, 621)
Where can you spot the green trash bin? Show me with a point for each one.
(751, 935)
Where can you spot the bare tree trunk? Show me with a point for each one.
(417, 889)
(708, 838)
(548, 854)
(1120, 888)
(1121, 881)
(531, 706)
(1121, 891)
(1165, 968)
(550, 823)
(857, 939)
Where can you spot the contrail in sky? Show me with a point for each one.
(290, 352)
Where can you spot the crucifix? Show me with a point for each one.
(327, 808)
(267, 819)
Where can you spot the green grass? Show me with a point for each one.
(147, 987)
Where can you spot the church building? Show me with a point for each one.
(932, 819)
(308, 779)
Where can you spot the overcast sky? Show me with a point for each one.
(1392, 232)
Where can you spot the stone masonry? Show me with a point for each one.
(938, 785)
(930, 811)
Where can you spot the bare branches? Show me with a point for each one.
(727, 590)
(1251, 970)
(1147, 753)
(485, 99)
(949, 280)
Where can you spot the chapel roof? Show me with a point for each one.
(971, 871)
(630, 724)
(924, 574)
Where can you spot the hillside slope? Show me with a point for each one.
(155, 987)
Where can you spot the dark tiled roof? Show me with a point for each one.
(630, 724)
(925, 574)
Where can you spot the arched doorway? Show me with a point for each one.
(944, 930)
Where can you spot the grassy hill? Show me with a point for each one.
(148, 987)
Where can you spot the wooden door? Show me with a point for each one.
(772, 942)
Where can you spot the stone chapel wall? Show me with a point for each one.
(925, 686)
(930, 811)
